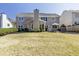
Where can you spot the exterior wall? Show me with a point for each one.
(20, 22)
(51, 20)
(75, 16)
(71, 20)
(33, 20)
(24, 22)
(5, 23)
(23, 19)
(28, 23)
(66, 18)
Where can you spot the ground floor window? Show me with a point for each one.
(32, 26)
(46, 28)
(41, 27)
(54, 26)
(23, 29)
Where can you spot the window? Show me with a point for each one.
(20, 26)
(21, 18)
(54, 26)
(44, 18)
(42, 27)
(76, 23)
(8, 24)
(32, 26)
(46, 28)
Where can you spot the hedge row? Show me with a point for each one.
(4, 31)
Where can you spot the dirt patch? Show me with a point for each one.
(5, 41)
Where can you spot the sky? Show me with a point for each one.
(11, 9)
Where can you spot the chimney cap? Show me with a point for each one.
(36, 9)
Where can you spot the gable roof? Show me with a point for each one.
(40, 15)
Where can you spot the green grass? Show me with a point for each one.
(40, 43)
(4, 31)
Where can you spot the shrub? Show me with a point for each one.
(4, 31)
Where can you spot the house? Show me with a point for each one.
(13, 22)
(4, 21)
(70, 19)
(37, 21)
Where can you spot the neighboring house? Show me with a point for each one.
(70, 18)
(37, 21)
(4, 21)
(13, 22)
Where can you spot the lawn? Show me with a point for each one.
(40, 44)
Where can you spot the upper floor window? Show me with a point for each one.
(44, 18)
(21, 18)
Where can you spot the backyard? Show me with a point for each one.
(40, 44)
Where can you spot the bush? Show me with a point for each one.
(4, 31)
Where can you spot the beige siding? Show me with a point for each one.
(66, 18)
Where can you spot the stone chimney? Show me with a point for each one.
(36, 20)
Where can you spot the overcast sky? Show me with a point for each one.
(11, 9)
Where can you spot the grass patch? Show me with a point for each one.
(4, 31)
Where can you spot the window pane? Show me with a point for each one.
(44, 18)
